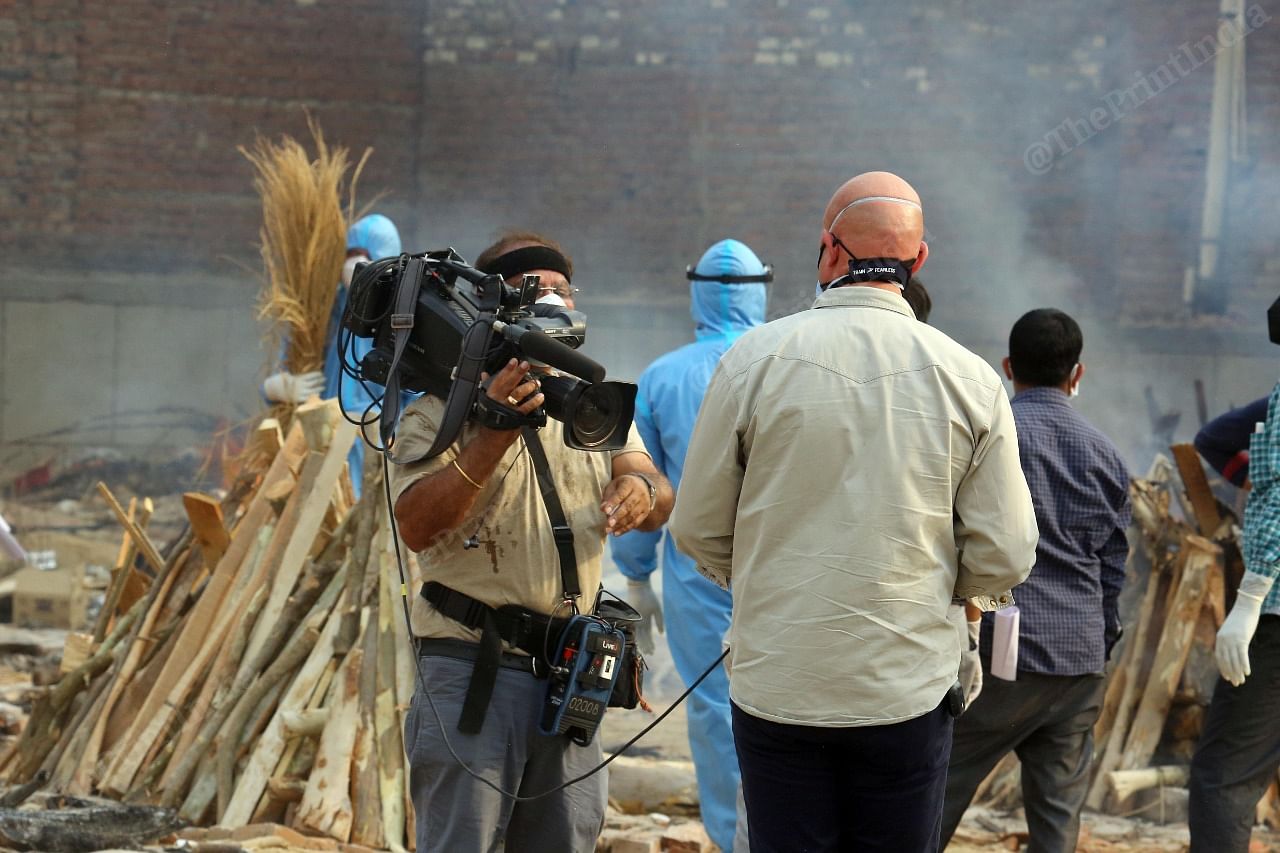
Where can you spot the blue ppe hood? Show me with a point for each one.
(376, 234)
(727, 310)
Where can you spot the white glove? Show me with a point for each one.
(971, 664)
(1232, 646)
(641, 596)
(285, 387)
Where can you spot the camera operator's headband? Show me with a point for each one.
(519, 261)
(765, 277)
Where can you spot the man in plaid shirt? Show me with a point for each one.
(1067, 606)
(1239, 749)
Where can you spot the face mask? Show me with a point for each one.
(1075, 389)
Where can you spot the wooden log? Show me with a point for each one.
(18, 795)
(308, 722)
(269, 747)
(326, 805)
(205, 515)
(61, 763)
(1203, 503)
(221, 682)
(286, 790)
(192, 647)
(94, 827)
(1175, 643)
(366, 785)
(175, 782)
(49, 713)
(1123, 694)
(391, 758)
(82, 776)
(232, 733)
(1126, 783)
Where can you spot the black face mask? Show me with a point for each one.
(870, 269)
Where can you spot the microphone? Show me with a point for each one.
(548, 350)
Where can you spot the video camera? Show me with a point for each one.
(437, 322)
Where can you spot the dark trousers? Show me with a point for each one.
(1048, 721)
(1239, 750)
(812, 789)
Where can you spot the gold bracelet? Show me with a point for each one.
(464, 475)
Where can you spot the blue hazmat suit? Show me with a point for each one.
(377, 235)
(697, 612)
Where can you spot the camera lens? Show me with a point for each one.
(595, 418)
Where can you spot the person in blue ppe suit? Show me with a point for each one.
(371, 238)
(728, 297)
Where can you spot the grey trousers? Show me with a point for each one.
(457, 813)
(1239, 750)
(1048, 721)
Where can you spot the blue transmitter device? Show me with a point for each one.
(582, 677)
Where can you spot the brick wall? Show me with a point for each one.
(640, 131)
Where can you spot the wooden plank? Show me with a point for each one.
(145, 546)
(311, 515)
(1205, 505)
(1175, 643)
(196, 629)
(124, 560)
(205, 515)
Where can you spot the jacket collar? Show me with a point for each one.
(856, 296)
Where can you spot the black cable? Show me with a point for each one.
(422, 680)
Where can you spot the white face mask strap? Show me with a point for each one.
(1076, 372)
(857, 201)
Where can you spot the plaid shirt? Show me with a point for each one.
(1261, 545)
(1080, 488)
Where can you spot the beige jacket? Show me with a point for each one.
(850, 472)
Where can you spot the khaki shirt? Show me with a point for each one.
(850, 472)
(516, 562)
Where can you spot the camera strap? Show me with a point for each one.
(406, 299)
(560, 529)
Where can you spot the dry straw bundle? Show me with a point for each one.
(303, 241)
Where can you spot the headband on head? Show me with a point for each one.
(765, 277)
(523, 260)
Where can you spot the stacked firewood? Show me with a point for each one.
(264, 673)
(1184, 565)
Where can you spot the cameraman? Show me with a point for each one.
(480, 524)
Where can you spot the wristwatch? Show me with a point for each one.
(653, 490)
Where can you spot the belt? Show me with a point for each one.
(463, 650)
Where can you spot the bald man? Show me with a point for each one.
(851, 472)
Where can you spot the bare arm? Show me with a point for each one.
(439, 502)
